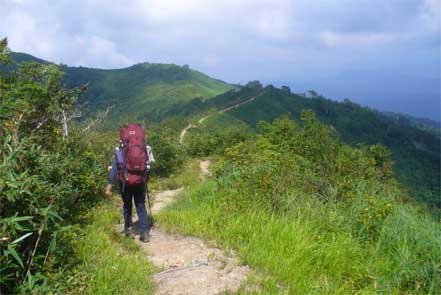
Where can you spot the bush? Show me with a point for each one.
(204, 143)
(48, 176)
(168, 155)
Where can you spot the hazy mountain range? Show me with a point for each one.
(383, 90)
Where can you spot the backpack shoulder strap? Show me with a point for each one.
(119, 156)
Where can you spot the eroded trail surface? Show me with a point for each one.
(189, 265)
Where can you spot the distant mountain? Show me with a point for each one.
(416, 151)
(402, 93)
(24, 57)
(142, 91)
(422, 123)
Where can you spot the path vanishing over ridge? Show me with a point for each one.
(201, 120)
(189, 265)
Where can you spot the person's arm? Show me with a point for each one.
(111, 178)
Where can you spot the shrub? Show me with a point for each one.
(47, 175)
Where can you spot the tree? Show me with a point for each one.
(311, 94)
(286, 89)
(33, 99)
(254, 84)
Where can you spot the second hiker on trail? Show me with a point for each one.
(131, 167)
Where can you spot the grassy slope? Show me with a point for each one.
(141, 92)
(296, 255)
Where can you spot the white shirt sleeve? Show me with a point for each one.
(150, 154)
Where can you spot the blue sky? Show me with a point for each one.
(237, 41)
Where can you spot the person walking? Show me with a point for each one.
(131, 166)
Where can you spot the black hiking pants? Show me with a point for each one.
(138, 194)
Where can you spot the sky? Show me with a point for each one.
(237, 41)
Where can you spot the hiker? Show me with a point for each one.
(131, 165)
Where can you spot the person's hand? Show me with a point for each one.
(108, 190)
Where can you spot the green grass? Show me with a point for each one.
(187, 175)
(312, 251)
(108, 262)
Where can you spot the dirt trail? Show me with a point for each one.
(204, 168)
(201, 120)
(239, 104)
(183, 132)
(189, 265)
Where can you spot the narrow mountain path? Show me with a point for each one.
(201, 120)
(189, 265)
(183, 132)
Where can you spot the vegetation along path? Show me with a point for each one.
(189, 265)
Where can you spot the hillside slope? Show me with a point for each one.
(311, 215)
(416, 152)
(142, 91)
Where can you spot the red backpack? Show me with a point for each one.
(134, 153)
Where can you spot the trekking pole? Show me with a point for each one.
(149, 205)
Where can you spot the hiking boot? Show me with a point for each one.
(128, 233)
(144, 237)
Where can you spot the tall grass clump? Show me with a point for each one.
(313, 215)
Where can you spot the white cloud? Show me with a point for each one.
(334, 39)
(97, 50)
(234, 39)
(431, 15)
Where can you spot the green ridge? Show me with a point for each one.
(140, 92)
